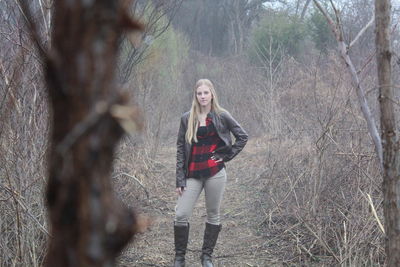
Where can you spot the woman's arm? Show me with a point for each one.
(180, 154)
(240, 135)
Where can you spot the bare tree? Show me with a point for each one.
(89, 226)
(344, 53)
(157, 16)
(386, 148)
(390, 139)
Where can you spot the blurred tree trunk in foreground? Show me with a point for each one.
(390, 139)
(89, 226)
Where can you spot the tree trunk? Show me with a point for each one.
(391, 168)
(89, 226)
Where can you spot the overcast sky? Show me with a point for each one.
(395, 4)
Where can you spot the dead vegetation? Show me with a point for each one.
(305, 191)
(299, 192)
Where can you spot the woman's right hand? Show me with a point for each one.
(179, 190)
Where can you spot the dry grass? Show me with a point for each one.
(299, 192)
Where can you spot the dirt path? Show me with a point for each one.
(238, 245)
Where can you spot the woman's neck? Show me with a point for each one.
(205, 110)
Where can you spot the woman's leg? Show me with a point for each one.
(187, 200)
(184, 209)
(214, 189)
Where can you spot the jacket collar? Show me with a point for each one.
(211, 114)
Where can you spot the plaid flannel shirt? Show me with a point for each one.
(201, 165)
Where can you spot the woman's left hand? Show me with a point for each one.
(216, 158)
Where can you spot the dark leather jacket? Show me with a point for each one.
(225, 124)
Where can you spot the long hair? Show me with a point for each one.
(191, 132)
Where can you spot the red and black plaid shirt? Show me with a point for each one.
(201, 165)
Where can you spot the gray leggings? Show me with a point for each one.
(213, 190)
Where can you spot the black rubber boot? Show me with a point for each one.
(181, 236)
(210, 239)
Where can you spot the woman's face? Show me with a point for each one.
(203, 95)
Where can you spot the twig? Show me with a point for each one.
(369, 199)
(320, 240)
(135, 179)
(19, 251)
(23, 6)
(25, 209)
(362, 32)
(350, 158)
(301, 245)
(9, 89)
(278, 204)
(329, 19)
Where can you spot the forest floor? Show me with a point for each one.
(241, 241)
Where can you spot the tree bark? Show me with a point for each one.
(390, 142)
(89, 226)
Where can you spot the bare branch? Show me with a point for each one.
(333, 25)
(26, 12)
(303, 12)
(15, 196)
(136, 180)
(361, 32)
(343, 50)
(371, 203)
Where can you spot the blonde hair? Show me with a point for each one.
(191, 132)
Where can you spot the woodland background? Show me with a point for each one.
(309, 173)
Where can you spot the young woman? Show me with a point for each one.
(204, 145)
